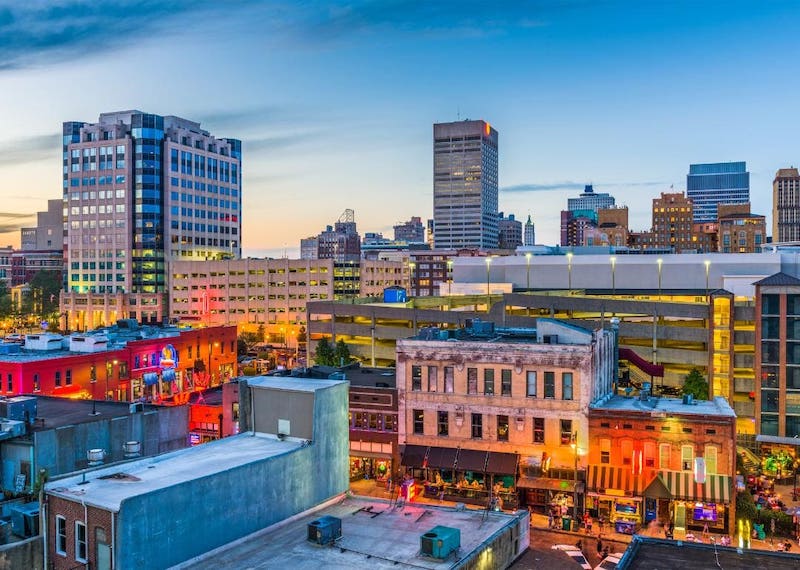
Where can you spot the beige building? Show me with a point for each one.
(480, 406)
(786, 206)
(740, 231)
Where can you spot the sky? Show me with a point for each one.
(335, 101)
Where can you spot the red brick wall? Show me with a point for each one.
(74, 511)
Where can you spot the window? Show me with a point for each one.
(505, 382)
(58, 379)
(711, 459)
(649, 454)
(80, 542)
(687, 457)
(566, 385)
(502, 427)
(566, 431)
(472, 380)
(442, 423)
(61, 535)
(36, 385)
(538, 430)
(477, 426)
(531, 390)
(10, 379)
(448, 379)
(664, 451)
(416, 377)
(549, 384)
(68, 377)
(433, 374)
(488, 382)
(605, 451)
(626, 450)
(419, 421)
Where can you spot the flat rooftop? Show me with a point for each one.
(294, 384)
(650, 554)
(106, 488)
(716, 407)
(54, 412)
(382, 537)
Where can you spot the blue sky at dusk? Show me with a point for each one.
(335, 101)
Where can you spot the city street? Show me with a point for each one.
(540, 555)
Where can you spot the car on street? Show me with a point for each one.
(574, 553)
(610, 562)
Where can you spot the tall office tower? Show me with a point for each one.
(786, 206)
(340, 242)
(589, 201)
(412, 231)
(141, 190)
(465, 185)
(719, 183)
(530, 232)
(672, 222)
(509, 232)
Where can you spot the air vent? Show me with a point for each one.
(440, 542)
(324, 530)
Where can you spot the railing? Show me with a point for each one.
(655, 370)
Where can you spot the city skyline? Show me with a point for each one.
(334, 102)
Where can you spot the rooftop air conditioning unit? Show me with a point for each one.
(25, 519)
(440, 542)
(325, 530)
(136, 407)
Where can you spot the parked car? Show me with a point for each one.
(610, 562)
(573, 553)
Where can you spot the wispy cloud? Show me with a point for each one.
(569, 185)
(13, 222)
(30, 149)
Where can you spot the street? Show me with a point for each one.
(540, 555)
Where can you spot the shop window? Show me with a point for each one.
(488, 382)
(605, 451)
(416, 378)
(566, 431)
(472, 380)
(538, 430)
(531, 389)
(80, 542)
(502, 427)
(566, 385)
(373, 422)
(419, 421)
(549, 384)
(61, 535)
(687, 457)
(711, 459)
(448, 379)
(443, 423)
(505, 382)
(477, 426)
(664, 451)
(433, 377)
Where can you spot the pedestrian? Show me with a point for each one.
(599, 547)
(705, 530)
(605, 552)
(601, 522)
(550, 519)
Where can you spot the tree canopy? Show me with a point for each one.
(696, 385)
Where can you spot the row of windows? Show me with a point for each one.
(81, 552)
(92, 181)
(646, 456)
(566, 435)
(370, 421)
(532, 386)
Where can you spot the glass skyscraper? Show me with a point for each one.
(465, 185)
(717, 183)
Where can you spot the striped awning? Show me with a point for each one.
(682, 486)
(610, 480)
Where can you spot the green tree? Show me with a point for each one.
(43, 297)
(260, 333)
(341, 354)
(746, 506)
(324, 355)
(696, 385)
(5, 300)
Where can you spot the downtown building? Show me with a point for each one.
(716, 183)
(581, 215)
(786, 206)
(141, 191)
(465, 185)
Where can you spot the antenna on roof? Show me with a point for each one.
(458, 113)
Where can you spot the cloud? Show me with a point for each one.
(35, 32)
(256, 145)
(13, 222)
(569, 185)
(30, 149)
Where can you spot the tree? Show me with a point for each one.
(324, 354)
(746, 506)
(696, 385)
(341, 354)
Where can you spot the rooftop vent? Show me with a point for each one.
(95, 457)
(440, 542)
(132, 448)
(688, 399)
(325, 530)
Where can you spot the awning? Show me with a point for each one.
(442, 457)
(613, 480)
(471, 460)
(559, 485)
(502, 463)
(413, 455)
(681, 486)
(793, 441)
(150, 378)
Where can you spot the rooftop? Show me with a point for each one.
(108, 487)
(291, 384)
(649, 553)
(716, 407)
(375, 535)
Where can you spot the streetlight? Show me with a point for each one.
(109, 369)
(569, 271)
(659, 261)
(707, 263)
(574, 446)
(613, 261)
(488, 268)
(93, 381)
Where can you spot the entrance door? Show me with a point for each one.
(680, 516)
(103, 550)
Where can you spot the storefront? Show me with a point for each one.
(546, 494)
(613, 493)
(690, 505)
(377, 468)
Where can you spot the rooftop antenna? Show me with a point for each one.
(458, 113)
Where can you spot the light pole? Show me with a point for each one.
(707, 263)
(93, 382)
(659, 261)
(488, 268)
(569, 271)
(613, 261)
(574, 446)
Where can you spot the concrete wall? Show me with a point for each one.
(163, 528)
(25, 554)
(502, 548)
(297, 407)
